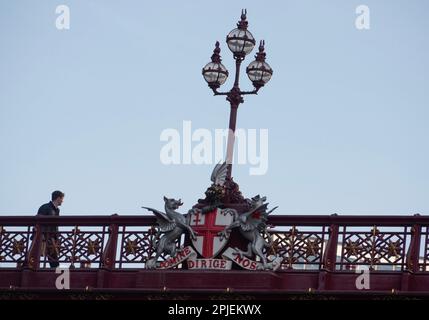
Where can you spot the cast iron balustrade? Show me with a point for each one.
(396, 243)
(319, 251)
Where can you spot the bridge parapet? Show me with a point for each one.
(319, 253)
(395, 243)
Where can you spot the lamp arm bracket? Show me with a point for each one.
(255, 91)
(217, 93)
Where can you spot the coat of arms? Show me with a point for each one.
(209, 229)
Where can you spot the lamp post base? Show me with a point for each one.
(226, 196)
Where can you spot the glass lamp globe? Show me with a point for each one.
(215, 72)
(240, 41)
(258, 71)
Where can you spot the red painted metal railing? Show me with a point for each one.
(332, 243)
(106, 256)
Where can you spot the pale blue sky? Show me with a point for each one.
(82, 110)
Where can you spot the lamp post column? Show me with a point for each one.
(234, 97)
(241, 42)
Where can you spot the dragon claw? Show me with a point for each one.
(193, 236)
(223, 235)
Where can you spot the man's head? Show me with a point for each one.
(57, 198)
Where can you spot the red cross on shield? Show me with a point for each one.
(207, 226)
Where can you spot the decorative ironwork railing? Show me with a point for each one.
(335, 243)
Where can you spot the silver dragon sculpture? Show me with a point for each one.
(172, 225)
(252, 226)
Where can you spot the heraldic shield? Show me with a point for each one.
(207, 227)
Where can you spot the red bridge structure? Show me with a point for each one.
(323, 256)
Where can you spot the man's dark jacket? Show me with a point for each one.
(48, 209)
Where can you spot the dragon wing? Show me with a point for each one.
(165, 223)
(256, 218)
(219, 174)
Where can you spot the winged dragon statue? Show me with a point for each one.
(252, 226)
(172, 225)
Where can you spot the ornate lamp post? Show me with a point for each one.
(241, 42)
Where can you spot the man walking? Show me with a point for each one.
(50, 233)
